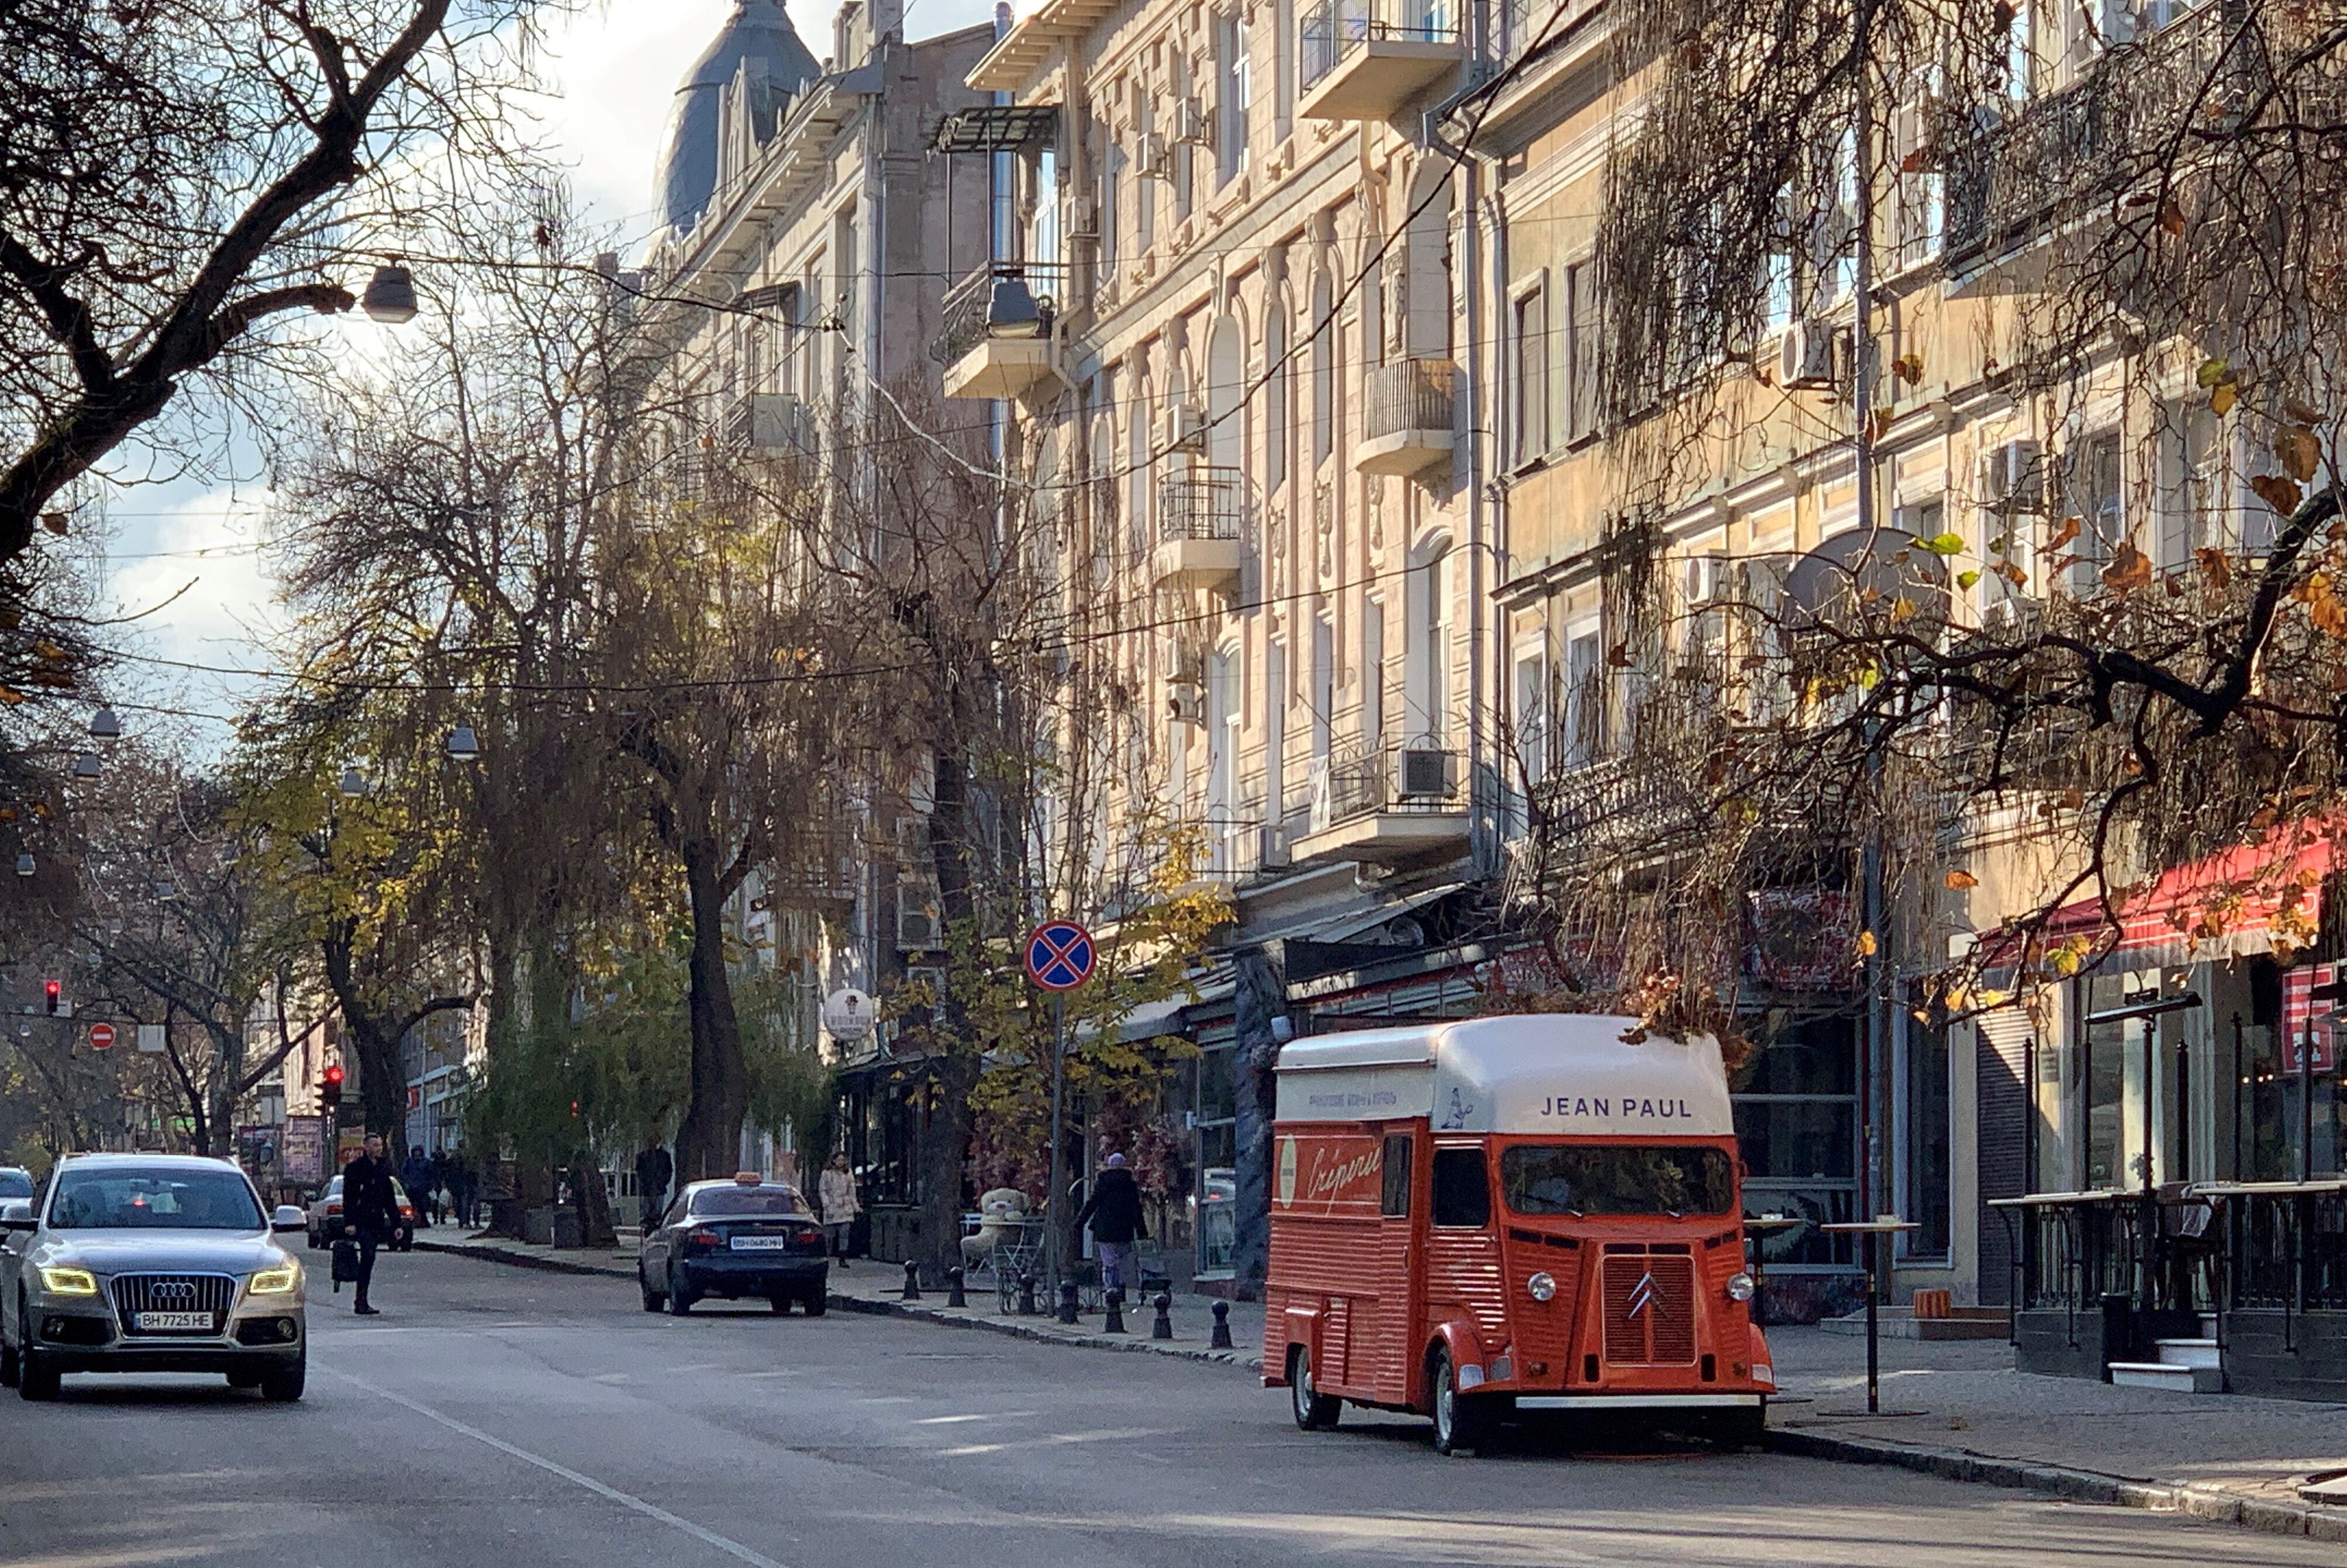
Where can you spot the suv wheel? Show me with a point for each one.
(37, 1379)
(283, 1385)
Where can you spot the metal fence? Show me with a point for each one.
(1203, 504)
(1335, 28)
(1410, 394)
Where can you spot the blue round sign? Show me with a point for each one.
(1060, 955)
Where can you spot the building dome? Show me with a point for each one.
(758, 30)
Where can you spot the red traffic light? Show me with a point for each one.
(335, 1075)
(52, 993)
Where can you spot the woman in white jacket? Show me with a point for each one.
(840, 1206)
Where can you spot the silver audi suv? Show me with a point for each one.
(150, 1263)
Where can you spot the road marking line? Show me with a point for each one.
(626, 1499)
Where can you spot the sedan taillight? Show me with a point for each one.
(702, 1241)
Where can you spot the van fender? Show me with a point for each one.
(1763, 1365)
(1457, 1336)
(1301, 1325)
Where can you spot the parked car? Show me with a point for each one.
(746, 1237)
(326, 1217)
(150, 1263)
(15, 1181)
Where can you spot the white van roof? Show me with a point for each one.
(1531, 1073)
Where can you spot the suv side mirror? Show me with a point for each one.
(289, 1218)
(16, 1214)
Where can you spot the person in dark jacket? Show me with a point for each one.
(1113, 1212)
(369, 1212)
(653, 1171)
(416, 1176)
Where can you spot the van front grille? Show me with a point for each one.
(1650, 1310)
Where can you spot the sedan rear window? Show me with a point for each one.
(15, 1184)
(1615, 1179)
(154, 1199)
(718, 1202)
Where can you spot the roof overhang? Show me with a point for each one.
(1025, 51)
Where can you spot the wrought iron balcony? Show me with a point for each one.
(1370, 59)
(996, 340)
(1407, 423)
(1386, 804)
(1198, 516)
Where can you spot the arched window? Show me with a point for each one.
(1225, 389)
(1136, 475)
(1277, 412)
(1324, 372)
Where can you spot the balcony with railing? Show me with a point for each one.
(1198, 544)
(998, 339)
(1371, 59)
(1386, 805)
(1406, 427)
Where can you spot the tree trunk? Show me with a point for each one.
(593, 1204)
(709, 1141)
(954, 1073)
(227, 1072)
(382, 1086)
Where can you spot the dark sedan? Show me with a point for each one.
(746, 1237)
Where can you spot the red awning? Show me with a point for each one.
(2253, 898)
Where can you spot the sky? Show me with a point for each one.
(181, 560)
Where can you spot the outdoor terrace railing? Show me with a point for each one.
(1205, 503)
(1001, 300)
(1410, 394)
(1335, 28)
(1357, 779)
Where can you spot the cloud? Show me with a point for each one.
(195, 558)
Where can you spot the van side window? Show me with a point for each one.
(1462, 1193)
(1395, 1200)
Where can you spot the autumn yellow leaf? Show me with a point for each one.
(1943, 545)
(1962, 881)
(2221, 401)
(2130, 569)
(2277, 491)
(2070, 528)
(1966, 579)
(2171, 220)
(2299, 452)
(1865, 944)
(2214, 567)
(2212, 374)
(1901, 610)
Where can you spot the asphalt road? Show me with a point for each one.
(494, 1418)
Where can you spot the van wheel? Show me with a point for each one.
(1461, 1422)
(1734, 1430)
(1315, 1411)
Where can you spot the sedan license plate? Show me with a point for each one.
(761, 1243)
(163, 1322)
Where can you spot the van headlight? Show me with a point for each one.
(1542, 1285)
(1739, 1286)
(274, 1281)
(58, 1280)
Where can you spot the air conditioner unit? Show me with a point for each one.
(1150, 160)
(1190, 122)
(1706, 580)
(2013, 478)
(1811, 357)
(1272, 848)
(1185, 428)
(1185, 705)
(1422, 772)
(917, 922)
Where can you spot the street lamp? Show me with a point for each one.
(463, 745)
(390, 296)
(105, 726)
(354, 783)
(86, 766)
(24, 866)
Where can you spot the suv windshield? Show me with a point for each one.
(1602, 1179)
(15, 1184)
(719, 1201)
(187, 1199)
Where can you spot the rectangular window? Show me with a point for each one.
(1528, 337)
(1584, 696)
(1621, 1179)
(1930, 1167)
(1233, 96)
(1393, 1199)
(1581, 327)
(1324, 684)
(1373, 674)
(1532, 713)
(2098, 502)
(1921, 187)
(1462, 1189)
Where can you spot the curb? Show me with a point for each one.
(2188, 1498)
(489, 1253)
(1016, 1330)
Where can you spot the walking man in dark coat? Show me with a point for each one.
(369, 1212)
(653, 1171)
(1113, 1211)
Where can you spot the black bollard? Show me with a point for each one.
(1026, 1307)
(1115, 1323)
(955, 1296)
(912, 1280)
(1221, 1337)
(1164, 1328)
(1067, 1301)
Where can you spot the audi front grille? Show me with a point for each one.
(205, 1293)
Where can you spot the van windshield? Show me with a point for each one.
(1616, 1179)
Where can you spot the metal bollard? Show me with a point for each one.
(1026, 1307)
(1067, 1301)
(1164, 1328)
(1115, 1323)
(1221, 1337)
(955, 1296)
(912, 1280)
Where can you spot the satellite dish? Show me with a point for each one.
(848, 1014)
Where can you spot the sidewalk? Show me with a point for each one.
(1952, 1408)
(1960, 1411)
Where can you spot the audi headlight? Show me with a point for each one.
(1542, 1285)
(274, 1281)
(58, 1280)
(1739, 1286)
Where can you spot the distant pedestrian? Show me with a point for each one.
(653, 1171)
(840, 1206)
(369, 1212)
(1113, 1212)
(416, 1177)
(465, 1188)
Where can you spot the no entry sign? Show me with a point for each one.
(1060, 955)
(101, 1035)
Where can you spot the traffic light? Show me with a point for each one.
(330, 1088)
(53, 994)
